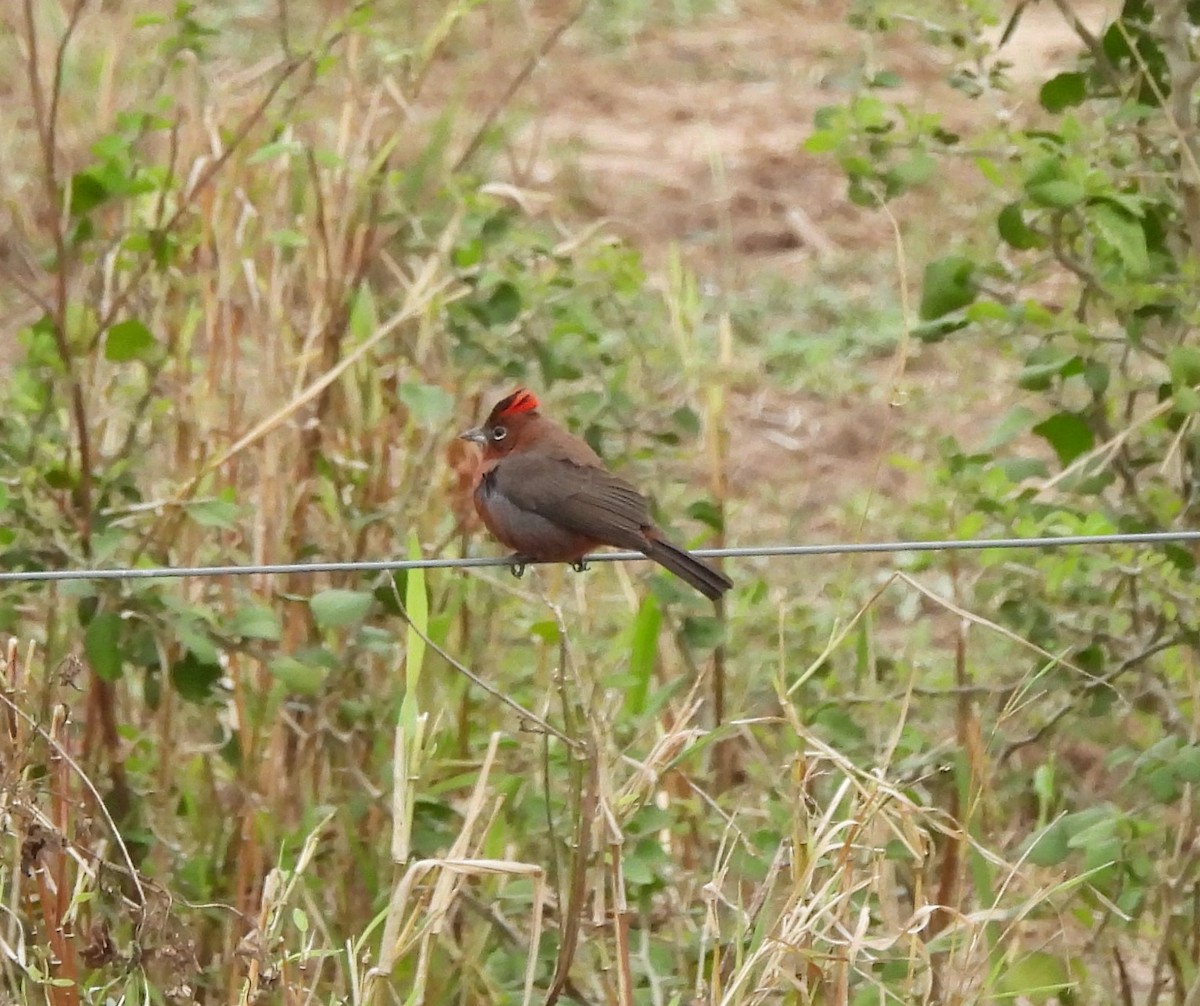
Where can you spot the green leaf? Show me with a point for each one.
(87, 192)
(194, 678)
(277, 149)
(216, 513)
(708, 513)
(387, 593)
(298, 676)
(1163, 785)
(1187, 763)
(822, 141)
(643, 654)
(1014, 231)
(1043, 784)
(1044, 364)
(1068, 434)
(686, 419)
(1187, 402)
(948, 286)
(838, 722)
(637, 872)
(1048, 168)
(497, 225)
(102, 645)
(428, 404)
(1184, 364)
(376, 639)
(546, 630)
(416, 601)
(984, 311)
(917, 170)
(1064, 91)
(1057, 194)
(1050, 847)
(59, 478)
(936, 331)
(337, 608)
(1017, 420)
(647, 821)
(1096, 375)
(885, 79)
(503, 306)
(363, 317)
(285, 237)
(862, 192)
(1017, 470)
(1089, 829)
(467, 255)
(197, 642)
(256, 621)
(1123, 232)
(1037, 977)
(991, 173)
(702, 632)
(128, 340)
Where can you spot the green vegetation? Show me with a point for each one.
(258, 268)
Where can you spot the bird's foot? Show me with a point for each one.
(580, 566)
(518, 562)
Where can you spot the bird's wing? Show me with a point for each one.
(583, 498)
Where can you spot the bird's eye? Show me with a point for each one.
(499, 433)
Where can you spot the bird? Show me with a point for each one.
(546, 494)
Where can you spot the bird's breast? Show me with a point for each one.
(487, 483)
(527, 532)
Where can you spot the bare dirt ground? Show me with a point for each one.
(694, 135)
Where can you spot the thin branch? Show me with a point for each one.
(45, 114)
(514, 85)
(475, 679)
(1072, 704)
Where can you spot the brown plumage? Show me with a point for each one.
(545, 494)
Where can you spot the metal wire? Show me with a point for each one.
(764, 551)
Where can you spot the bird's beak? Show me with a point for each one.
(476, 435)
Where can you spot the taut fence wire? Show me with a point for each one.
(749, 552)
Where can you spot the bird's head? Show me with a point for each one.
(501, 431)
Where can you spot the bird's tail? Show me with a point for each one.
(709, 581)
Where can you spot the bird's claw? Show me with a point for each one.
(519, 562)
